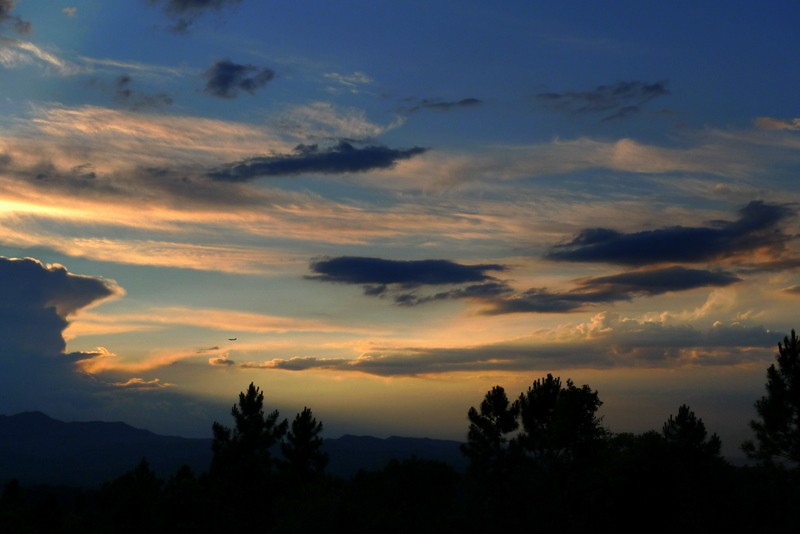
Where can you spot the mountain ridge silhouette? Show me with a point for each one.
(38, 449)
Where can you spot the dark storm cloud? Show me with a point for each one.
(339, 159)
(407, 273)
(613, 288)
(29, 284)
(440, 105)
(620, 343)
(617, 101)
(36, 301)
(756, 228)
(6, 7)
(135, 100)
(186, 12)
(224, 79)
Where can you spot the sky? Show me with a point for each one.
(380, 210)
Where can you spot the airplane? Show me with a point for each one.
(232, 338)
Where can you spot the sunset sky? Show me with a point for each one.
(382, 209)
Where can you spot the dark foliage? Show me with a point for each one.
(302, 450)
(778, 430)
(543, 460)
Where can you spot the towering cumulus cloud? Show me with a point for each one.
(36, 301)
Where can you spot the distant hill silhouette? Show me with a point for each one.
(37, 449)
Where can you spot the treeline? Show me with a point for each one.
(542, 460)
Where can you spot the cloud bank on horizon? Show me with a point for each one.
(375, 193)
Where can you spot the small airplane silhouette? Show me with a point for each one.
(232, 338)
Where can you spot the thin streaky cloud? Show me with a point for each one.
(15, 53)
(770, 123)
(616, 101)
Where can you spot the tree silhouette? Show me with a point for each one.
(242, 465)
(559, 422)
(685, 435)
(254, 434)
(487, 445)
(778, 430)
(303, 447)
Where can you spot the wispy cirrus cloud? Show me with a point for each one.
(16, 53)
(616, 101)
(414, 105)
(771, 123)
(323, 121)
(351, 82)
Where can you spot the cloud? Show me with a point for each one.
(340, 159)
(17, 53)
(616, 101)
(756, 229)
(791, 290)
(30, 285)
(298, 363)
(141, 384)
(612, 288)
(351, 82)
(488, 291)
(19, 25)
(221, 361)
(224, 79)
(440, 105)
(606, 341)
(381, 277)
(324, 121)
(135, 100)
(186, 12)
(37, 301)
(770, 123)
(405, 273)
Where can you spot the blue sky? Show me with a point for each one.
(393, 207)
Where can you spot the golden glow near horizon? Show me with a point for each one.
(380, 244)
